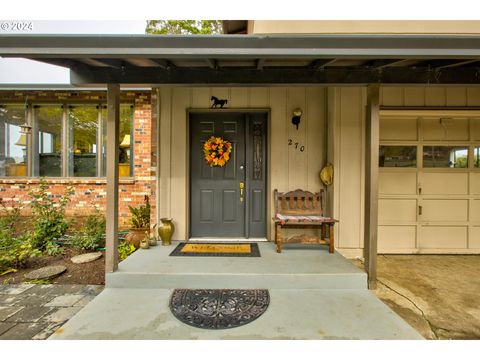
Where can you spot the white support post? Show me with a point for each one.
(113, 122)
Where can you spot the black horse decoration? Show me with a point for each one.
(217, 102)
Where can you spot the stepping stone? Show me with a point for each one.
(45, 273)
(85, 258)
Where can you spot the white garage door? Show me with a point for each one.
(429, 185)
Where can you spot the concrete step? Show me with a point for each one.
(137, 314)
(297, 267)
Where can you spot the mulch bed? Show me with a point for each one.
(92, 273)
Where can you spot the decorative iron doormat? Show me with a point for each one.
(216, 249)
(217, 309)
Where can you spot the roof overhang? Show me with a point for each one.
(240, 60)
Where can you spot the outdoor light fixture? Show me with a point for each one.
(25, 129)
(297, 114)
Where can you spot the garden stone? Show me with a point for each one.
(45, 273)
(85, 258)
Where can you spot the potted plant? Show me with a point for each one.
(140, 221)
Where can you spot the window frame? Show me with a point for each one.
(32, 154)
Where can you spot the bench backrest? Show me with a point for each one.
(298, 202)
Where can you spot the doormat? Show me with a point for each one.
(217, 309)
(216, 249)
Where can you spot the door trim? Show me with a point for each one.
(268, 201)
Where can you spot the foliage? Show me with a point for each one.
(184, 27)
(9, 217)
(92, 235)
(141, 215)
(16, 254)
(125, 250)
(53, 249)
(49, 218)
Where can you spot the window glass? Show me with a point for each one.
(476, 157)
(398, 156)
(83, 127)
(49, 139)
(445, 156)
(125, 141)
(13, 144)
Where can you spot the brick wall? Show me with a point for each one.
(90, 193)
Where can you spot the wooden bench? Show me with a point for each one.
(299, 210)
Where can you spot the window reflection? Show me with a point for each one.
(49, 140)
(83, 127)
(476, 156)
(13, 144)
(398, 156)
(445, 156)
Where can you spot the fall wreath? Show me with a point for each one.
(217, 151)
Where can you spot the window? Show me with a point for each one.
(398, 156)
(125, 151)
(82, 138)
(13, 144)
(445, 156)
(48, 140)
(66, 140)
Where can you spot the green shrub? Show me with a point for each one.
(125, 250)
(16, 253)
(49, 221)
(92, 235)
(9, 218)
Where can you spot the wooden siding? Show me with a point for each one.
(289, 168)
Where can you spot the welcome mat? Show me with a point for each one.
(217, 309)
(216, 249)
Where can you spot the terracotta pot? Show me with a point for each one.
(165, 230)
(135, 236)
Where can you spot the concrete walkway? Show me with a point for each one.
(34, 312)
(313, 295)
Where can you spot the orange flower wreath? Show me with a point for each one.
(217, 151)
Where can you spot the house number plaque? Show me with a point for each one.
(296, 144)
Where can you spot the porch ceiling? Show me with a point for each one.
(141, 60)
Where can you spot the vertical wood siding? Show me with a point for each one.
(289, 168)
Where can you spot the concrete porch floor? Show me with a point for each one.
(313, 295)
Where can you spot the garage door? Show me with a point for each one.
(429, 182)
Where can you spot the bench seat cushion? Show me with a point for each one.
(283, 219)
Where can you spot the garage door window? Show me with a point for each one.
(445, 156)
(476, 156)
(398, 156)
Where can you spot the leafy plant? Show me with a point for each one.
(53, 249)
(125, 250)
(17, 253)
(141, 215)
(92, 234)
(50, 222)
(9, 218)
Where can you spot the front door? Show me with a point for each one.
(228, 201)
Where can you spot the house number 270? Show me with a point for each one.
(296, 144)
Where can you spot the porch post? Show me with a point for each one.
(113, 121)
(372, 129)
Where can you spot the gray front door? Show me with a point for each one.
(218, 206)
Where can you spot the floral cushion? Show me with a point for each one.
(283, 219)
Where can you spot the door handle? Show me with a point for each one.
(420, 209)
(242, 187)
